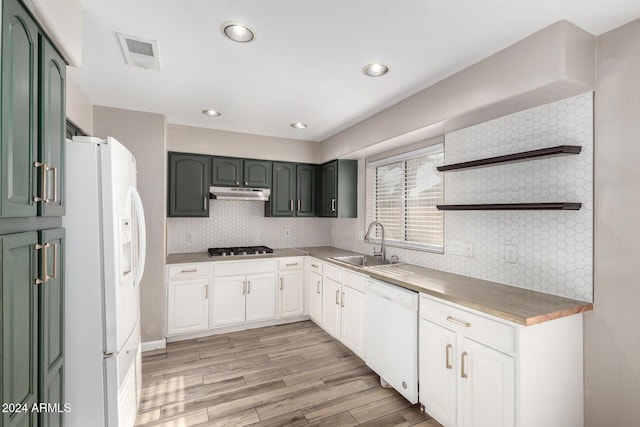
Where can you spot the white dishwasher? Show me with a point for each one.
(392, 336)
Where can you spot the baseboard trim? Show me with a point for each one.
(154, 345)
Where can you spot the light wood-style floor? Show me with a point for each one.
(289, 375)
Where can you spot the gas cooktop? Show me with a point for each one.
(240, 250)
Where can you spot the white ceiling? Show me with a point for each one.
(306, 61)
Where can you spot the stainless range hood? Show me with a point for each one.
(240, 193)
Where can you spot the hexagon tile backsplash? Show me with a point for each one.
(554, 249)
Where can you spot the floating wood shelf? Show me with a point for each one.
(512, 206)
(515, 157)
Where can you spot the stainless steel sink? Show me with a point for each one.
(362, 260)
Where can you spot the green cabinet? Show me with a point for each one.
(337, 189)
(32, 118)
(51, 325)
(292, 190)
(19, 348)
(189, 176)
(233, 172)
(19, 115)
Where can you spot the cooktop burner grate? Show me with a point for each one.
(240, 250)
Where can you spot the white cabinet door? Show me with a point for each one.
(331, 311)
(261, 297)
(315, 297)
(228, 300)
(188, 306)
(438, 367)
(353, 320)
(291, 294)
(487, 386)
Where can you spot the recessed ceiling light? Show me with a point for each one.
(212, 113)
(376, 69)
(298, 125)
(237, 32)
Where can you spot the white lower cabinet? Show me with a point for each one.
(477, 370)
(291, 288)
(239, 297)
(187, 298)
(315, 296)
(353, 304)
(331, 311)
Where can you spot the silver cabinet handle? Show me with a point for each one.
(314, 265)
(447, 350)
(237, 182)
(291, 205)
(281, 283)
(206, 292)
(43, 264)
(193, 270)
(338, 297)
(342, 300)
(459, 322)
(463, 371)
(246, 183)
(333, 205)
(55, 183)
(299, 204)
(43, 182)
(244, 288)
(248, 286)
(291, 265)
(55, 262)
(318, 287)
(204, 205)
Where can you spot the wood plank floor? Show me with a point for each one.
(289, 375)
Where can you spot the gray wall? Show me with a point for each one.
(144, 134)
(612, 335)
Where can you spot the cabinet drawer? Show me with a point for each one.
(491, 332)
(234, 268)
(292, 263)
(354, 280)
(185, 271)
(313, 264)
(332, 272)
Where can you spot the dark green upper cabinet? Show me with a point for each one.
(306, 190)
(232, 172)
(189, 176)
(51, 317)
(337, 189)
(257, 173)
(18, 294)
(52, 127)
(226, 172)
(281, 202)
(292, 192)
(19, 115)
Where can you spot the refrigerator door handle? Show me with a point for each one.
(142, 235)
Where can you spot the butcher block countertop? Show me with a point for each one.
(518, 305)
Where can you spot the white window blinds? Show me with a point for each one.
(402, 194)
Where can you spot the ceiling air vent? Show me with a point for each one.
(140, 52)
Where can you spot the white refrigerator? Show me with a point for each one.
(105, 251)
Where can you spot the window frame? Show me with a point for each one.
(403, 157)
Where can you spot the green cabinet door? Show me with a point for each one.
(52, 127)
(19, 346)
(188, 185)
(51, 335)
(226, 172)
(328, 189)
(281, 202)
(257, 173)
(306, 190)
(18, 111)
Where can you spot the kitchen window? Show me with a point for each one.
(402, 194)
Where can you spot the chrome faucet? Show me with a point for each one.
(366, 239)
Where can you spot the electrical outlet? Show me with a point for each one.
(510, 254)
(455, 248)
(467, 249)
(287, 234)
